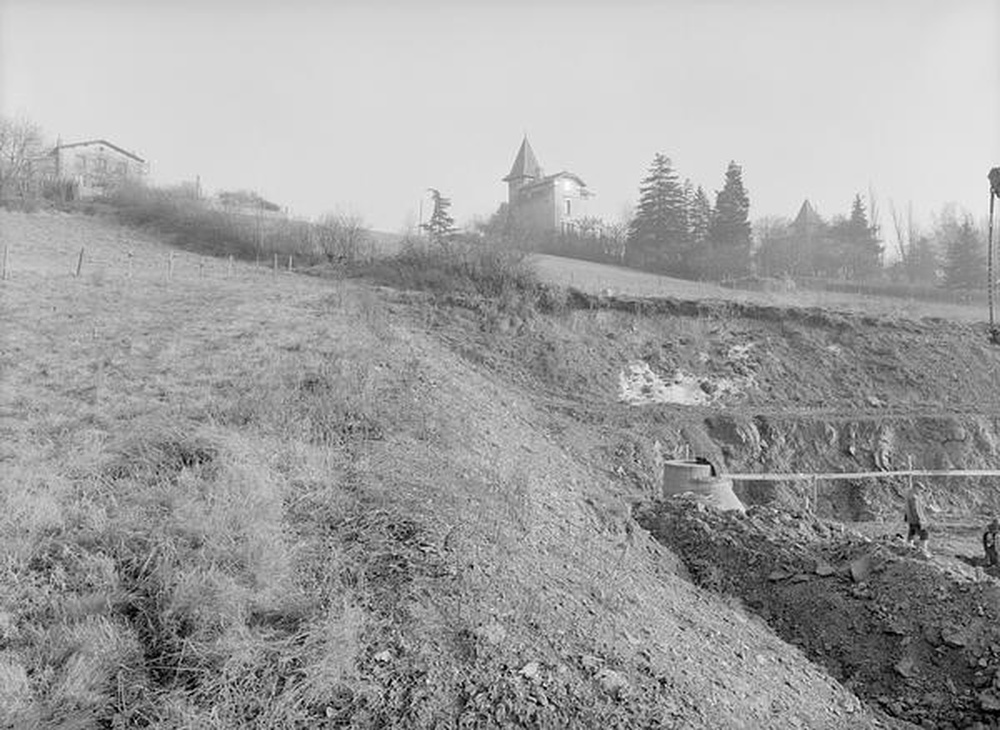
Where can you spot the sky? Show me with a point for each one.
(359, 106)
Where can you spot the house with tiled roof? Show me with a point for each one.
(540, 203)
(92, 167)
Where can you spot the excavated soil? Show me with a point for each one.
(757, 388)
(905, 633)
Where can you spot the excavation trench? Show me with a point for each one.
(776, 444)
(824, 563)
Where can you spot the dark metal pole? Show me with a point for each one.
(994, 334)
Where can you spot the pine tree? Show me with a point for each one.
(657, 235)
(441, 227)
(728, 250)
(731, 223)
(687, 196)
(699, 217)
(965, 259)
(859, 247)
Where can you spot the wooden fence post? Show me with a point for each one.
(6, 263)
(274, 268)
(79, 262)
(289, 262)
(229, 273)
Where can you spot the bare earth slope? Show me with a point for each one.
(279, 501)
(758, 386)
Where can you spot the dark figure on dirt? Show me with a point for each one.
(916, 520)
(991, 541)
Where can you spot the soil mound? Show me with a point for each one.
(917, 640)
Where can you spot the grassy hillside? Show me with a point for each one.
(596, 278)
(259, 500)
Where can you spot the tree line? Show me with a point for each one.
(676, 229)
(950, 254)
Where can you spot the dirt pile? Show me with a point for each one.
(917, 640)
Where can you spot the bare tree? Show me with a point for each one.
(874, 214)
(343, 238)
(902, 235)
(20, 147)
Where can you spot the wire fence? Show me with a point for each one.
(168, 265)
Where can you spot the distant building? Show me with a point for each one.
(541, 203)
(91, 168)
(807, 223)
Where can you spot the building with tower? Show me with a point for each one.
(540, 203)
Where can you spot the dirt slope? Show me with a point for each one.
(765, 388)
(287, 502)
(921, 641)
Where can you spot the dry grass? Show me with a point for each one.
(271, 502)
(194, 531)
(154, 446)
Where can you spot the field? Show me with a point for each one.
(596, 278)
(237, 497)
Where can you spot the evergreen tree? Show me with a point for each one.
(731, 223)
(699, 217)
(657, 235)
(965, 259)
(687, 195)
(861, 251)
(728, 251)
(441, 227)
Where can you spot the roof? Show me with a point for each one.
(525, 164)
(100, 141)
(552, 178)
(808, 217)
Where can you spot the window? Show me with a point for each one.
(568, 208)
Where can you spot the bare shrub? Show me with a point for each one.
(343, 238)
(20, 146)
(197, 226)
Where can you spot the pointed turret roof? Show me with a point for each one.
(525, 164)
(807, 219)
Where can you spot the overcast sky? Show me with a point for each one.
(361, 106)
